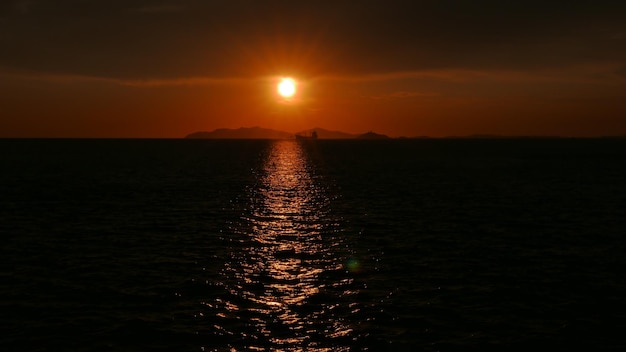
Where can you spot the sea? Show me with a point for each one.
(326, 245)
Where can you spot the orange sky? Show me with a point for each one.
(136, 69)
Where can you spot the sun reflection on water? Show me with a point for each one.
(286, 286)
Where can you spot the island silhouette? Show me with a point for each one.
(321, 133)
(266, 133)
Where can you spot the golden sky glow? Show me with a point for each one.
(411, 69)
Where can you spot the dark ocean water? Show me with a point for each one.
(431, 245)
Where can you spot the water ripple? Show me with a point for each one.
(285, 287)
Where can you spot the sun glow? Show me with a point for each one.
(287, 87)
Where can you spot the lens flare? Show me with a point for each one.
(353, 265)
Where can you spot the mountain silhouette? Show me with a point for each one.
(372, 135)
(265, 133)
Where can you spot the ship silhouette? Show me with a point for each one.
(312, 136)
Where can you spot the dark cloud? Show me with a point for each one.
(168, 39)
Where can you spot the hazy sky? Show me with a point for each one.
(131, 68)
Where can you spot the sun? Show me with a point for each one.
(287, 87)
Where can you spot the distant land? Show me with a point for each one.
(266, 133)
(372, 135)
(326, 134)
(242, 133)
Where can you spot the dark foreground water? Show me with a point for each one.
(426, 245)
